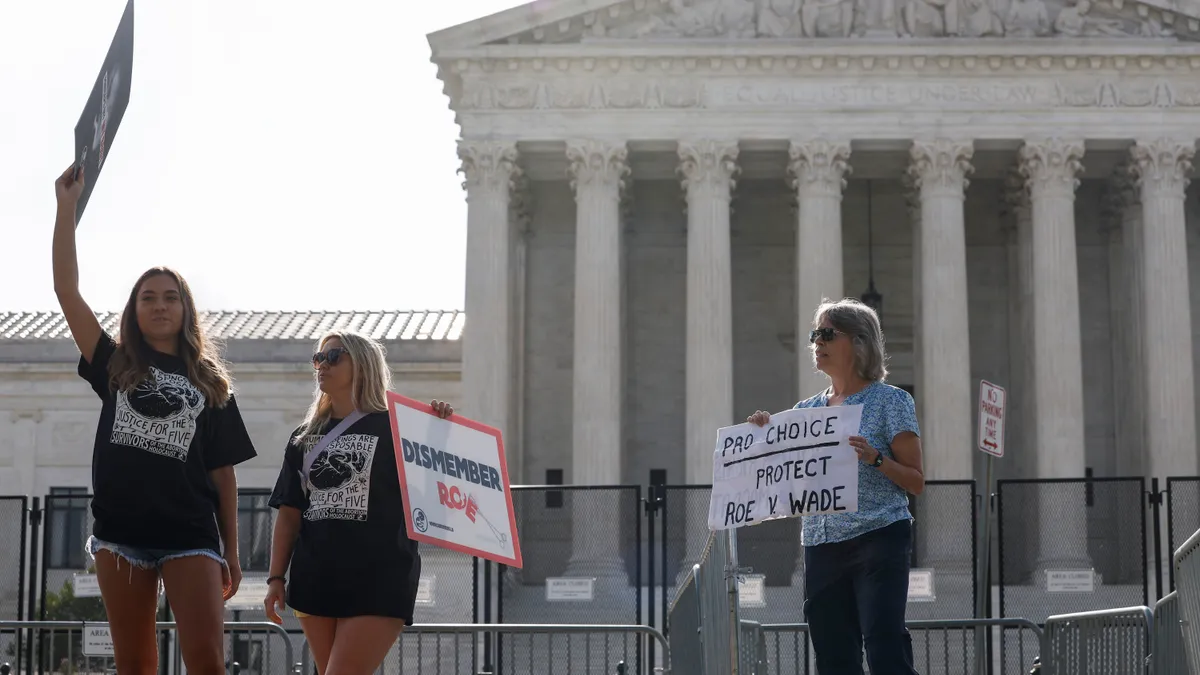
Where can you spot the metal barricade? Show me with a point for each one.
(711, 633)
(562, 649)
(1186, 563)
(1103, 642)
(1168, 655)
(258, 648)
(940, 647)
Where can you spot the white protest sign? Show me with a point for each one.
(96, 640)
(991, 418)
(454, 482)
(799, 464)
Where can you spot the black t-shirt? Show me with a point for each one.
(353, 556)
(155, 446)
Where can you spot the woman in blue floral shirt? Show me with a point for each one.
(856, 564)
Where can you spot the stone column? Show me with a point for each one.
(490, 171)
(940, 168)
(490, 168)
(598, 170)
(1161, 167)
(1022, 412)
(912, 200)
(1051, 167)
(1123, 218)
(708, 168)
(817, 168)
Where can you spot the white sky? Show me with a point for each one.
(282, 154)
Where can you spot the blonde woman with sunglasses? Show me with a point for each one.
(340, 556)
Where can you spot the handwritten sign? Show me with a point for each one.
(798, 464)
(454, 482)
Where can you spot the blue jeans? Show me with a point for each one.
(856, 592)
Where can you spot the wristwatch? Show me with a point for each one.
(878, 460)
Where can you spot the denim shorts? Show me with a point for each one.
(148, 558)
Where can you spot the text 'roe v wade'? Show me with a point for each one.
(798, 464)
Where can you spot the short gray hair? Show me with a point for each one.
(861, 324)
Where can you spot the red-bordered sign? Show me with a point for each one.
(454, 481)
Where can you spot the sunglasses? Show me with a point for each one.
(825, 334)
(330, 356)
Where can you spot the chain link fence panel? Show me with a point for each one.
(1069, 545)
(582, 550)
(1183, 515)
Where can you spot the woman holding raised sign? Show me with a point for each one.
(169, 435)
(340, 530)
(856, 564)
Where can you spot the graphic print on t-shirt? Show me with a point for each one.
(339, 481)
(159, 415)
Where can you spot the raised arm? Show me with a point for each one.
(85, 328)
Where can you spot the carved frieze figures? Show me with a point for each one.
(780, 18)
(827, 18)
(745, 19)
(1073, 21)
(931, 18)
(1027, 18)
(704, 19)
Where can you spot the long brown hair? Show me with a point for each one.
(130, 364)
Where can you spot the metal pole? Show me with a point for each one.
(1156, 500)
(731, 579)
(983, 566)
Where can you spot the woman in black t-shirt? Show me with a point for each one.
(340, 531)
(164, 492)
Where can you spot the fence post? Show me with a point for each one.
(35, 521)
(1156, 500)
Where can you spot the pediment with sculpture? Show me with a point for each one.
(887, 19)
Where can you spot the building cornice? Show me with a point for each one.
(828, 56)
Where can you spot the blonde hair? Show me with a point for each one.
(130, 363)
(370, 380)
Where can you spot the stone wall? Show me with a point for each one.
(48, 414)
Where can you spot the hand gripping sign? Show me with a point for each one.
(454, 482)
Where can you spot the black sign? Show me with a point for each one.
(105, 107)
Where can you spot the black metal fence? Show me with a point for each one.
(607, 555)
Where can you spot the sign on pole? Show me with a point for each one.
(798, 464)
(991, 418)
(454, 482)
(105, 107)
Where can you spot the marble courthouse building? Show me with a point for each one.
(661, 191)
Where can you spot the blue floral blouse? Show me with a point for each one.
(887, 411)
